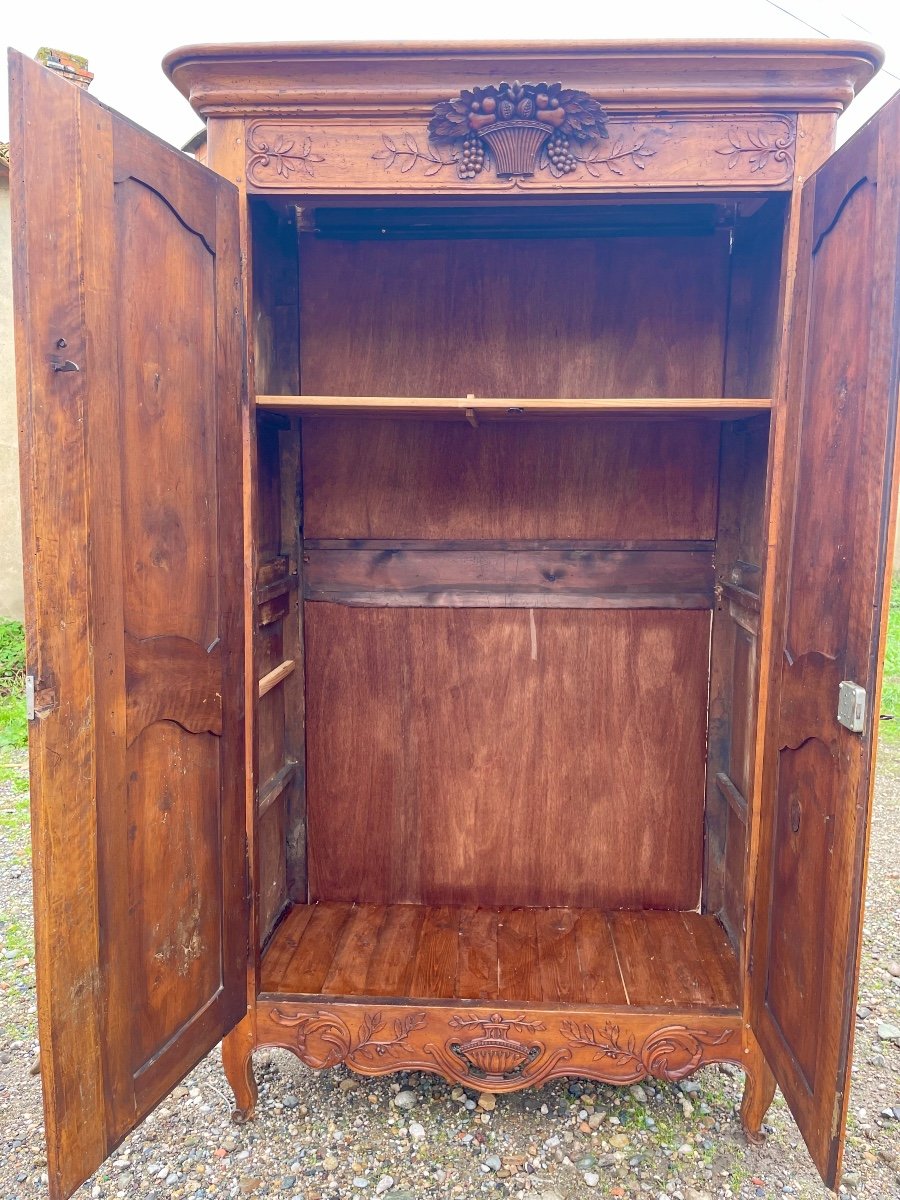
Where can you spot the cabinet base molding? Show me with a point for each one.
(497, 1047)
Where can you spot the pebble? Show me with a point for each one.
(384, 1184)
(894, 969)
(863, 1013)
(416, 1131)
(888, 1032)
(330, 1163)
(360, 1182)
(487, 1101)
(619, 1140)
(638, 1093)
(493, 1162)
(406, 1099)
(591, 1178)
(290, 1101)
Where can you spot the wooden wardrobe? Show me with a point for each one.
(456, 526)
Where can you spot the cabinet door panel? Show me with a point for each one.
(834, 526)
(127, 267)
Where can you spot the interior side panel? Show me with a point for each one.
(278, 649)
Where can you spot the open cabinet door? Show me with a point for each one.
(834, 538)
(130, 368)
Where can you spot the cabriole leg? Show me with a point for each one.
(237, 1059)
(759, 1089)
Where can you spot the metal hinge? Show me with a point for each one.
(851, 711)
(39, 703)
(836, 1114)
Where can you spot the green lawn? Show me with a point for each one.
(13, 726)
(890, 693)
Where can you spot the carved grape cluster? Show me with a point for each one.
(559, 154)
(471, 160)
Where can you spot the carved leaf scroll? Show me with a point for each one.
(758, 147)
(325, 1039)
(670, 1053)
(283, 154)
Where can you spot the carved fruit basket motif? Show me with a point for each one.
(518, 126)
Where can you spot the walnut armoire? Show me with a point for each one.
(456, 521)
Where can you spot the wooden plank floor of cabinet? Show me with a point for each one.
(522, 955)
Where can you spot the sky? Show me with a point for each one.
(125, 46)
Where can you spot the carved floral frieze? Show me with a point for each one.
(605, 151)
(499, 1050)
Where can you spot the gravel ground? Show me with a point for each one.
(325, 1136)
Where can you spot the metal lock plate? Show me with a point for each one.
(851, 706)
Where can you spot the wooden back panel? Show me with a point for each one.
(625, 316)
(588, 479)
(544, 757)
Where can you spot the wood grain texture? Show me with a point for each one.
(510, 578)
(441, 766)
(723, 152)
(831, 584)
(371, 80)
(607, 317)
(521, 955)
(501, 1048)
(158, 955)
(513, 410)
(278, 643)
(734, 654)
(596, 480)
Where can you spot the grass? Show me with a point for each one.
(13, 725)
(889, 730)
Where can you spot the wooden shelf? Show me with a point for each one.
(475, 409)
(524, 955)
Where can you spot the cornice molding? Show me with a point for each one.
(404, 81)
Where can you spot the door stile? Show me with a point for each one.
(815, 141)
(54, 472)
(226, 155)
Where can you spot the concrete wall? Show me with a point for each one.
(10, 531)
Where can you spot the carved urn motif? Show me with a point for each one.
(493, 1055)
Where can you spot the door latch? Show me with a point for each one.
(851, 711)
